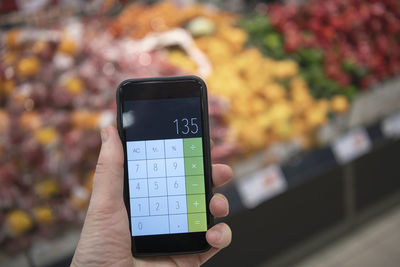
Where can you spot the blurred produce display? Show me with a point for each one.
(273, 78)
(268, 99)
(57, 87)
(341, 45)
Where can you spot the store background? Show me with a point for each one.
(304, 104)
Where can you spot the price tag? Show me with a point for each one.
(262, 185)
(391, 126)
(351, 146)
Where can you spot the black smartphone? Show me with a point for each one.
(163, 125)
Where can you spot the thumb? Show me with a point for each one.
(109, 176)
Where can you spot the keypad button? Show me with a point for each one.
(193, 147)
(158, 205)
(195, 184)
(136, 150)
(139, 207)
(175, 167)
(196, 203)
(177, 204)
(156, 168)
(138, 188)
(178, 223)
(150, 225)
(194, 166)
(174, 148)
(155, 149)
(197, 222)
(157, 187)
(137, 169)
(176, 185)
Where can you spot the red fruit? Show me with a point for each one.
(343, 79)
(382, 44)
(394, 68)
(376, 25)
(377, 9)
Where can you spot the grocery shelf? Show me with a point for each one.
(323, 191)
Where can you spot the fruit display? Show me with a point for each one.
(267, 99)
(345, 45)
(56, 89)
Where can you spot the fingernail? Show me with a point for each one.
(104, 135)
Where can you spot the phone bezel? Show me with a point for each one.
(161, 88)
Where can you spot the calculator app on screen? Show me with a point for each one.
(165, 166)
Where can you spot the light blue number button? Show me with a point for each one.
(139, 207)
(176, 186)
(138, 188)
(156, 225)
(158, 206)
(137, 169)
(156, 168)
(136, 150)
(178, 223)
(175, 167)
(157, 187)
(177, 204)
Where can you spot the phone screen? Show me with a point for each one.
(165, 165)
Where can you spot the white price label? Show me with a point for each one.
(391, 126)
(351, 146)
(262, 185)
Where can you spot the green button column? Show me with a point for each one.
(194, 179)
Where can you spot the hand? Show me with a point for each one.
(105, 239)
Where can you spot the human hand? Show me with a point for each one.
(106, 240)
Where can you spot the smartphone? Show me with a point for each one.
(164, 129)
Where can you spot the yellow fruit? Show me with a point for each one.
(18, 222)
(316, 116)
(234, 36)
(28, 66)
(339, 104)
(47, 189)
(273, 92)
(283, 130)
(7, 87)
(285, 69)
(12, 39)
(44, 215)
(47, 135)
(30, 121)
(84, 119)
(182, 60)
(68, 47)
(39, 47)
(74, 85)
